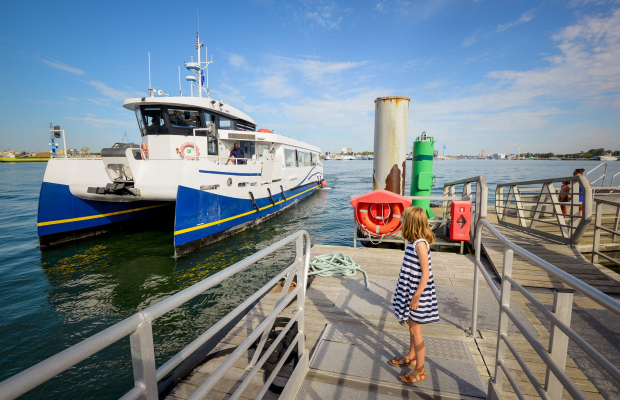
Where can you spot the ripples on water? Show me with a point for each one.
(52, 300)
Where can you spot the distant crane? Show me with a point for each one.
(125, 136)
(444, 150)
(518, 144)
(482, 152)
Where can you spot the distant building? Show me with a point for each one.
(499, 156)
(347, 150)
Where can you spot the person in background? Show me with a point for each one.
(236, 153)
(564, 197)
(578, 172)
(415, 300)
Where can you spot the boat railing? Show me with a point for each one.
(139, 329)
(479, 196)
(553, 354)
(534, 207)
(600, 229)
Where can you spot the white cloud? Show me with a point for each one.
(524, 18)
(237, 60)
(319, 72)
(275, 86)
(109, 92)
(101, 122)
(324, 17)
(63, 67)
(379, 7)
(471, 39)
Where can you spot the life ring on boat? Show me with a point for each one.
(186, 145)
(378, 213)
(144, 150)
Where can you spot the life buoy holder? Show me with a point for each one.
(186, 145)
(144, 149)
(378, 212)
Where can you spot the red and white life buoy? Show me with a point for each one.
(186, 145)
(144, 150)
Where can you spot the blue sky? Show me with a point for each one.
(481, 74)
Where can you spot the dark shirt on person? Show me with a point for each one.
(237, 153)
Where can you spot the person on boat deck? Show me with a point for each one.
(235, 153)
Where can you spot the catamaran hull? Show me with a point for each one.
(63, 217)
(202, 218)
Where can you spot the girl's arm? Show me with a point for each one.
(422, 252)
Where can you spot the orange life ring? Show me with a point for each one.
(380, 226)
(145, 150)
(184, 146)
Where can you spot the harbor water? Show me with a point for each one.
(54, 299)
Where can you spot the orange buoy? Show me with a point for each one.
(144, 149)
(379, 212)
(323, 183)
(186, 145)
(264, 130)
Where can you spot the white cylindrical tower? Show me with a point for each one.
(391, 119)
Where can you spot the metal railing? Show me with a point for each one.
(599, 228)
(600, 177)
(531, 205)
(479, 198)
(139, 329)
(555, 356)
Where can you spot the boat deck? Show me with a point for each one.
(352, 334)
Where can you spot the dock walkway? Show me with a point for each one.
(352, 334)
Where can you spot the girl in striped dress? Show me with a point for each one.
(415, 301)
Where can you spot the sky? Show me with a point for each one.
(481, 74)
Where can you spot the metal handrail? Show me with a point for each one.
(572, 228)
(598, 227)
(139, 329)
(602, 176)
(555, 357)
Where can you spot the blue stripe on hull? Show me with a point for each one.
(196, 207)
(57, 203)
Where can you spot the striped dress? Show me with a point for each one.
(410, 274)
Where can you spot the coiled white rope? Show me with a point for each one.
(336, 265)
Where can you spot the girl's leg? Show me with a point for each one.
(415, 331)
(412, 353)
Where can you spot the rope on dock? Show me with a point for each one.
(336, 265)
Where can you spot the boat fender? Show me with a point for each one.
(186, 145)
(144, 150)
(323, 183)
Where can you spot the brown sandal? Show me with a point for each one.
(403, 361)
(413, 377)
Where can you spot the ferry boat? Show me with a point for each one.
(183, 163)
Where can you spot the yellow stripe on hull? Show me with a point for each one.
(64, 221)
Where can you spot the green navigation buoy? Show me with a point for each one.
(422, 172)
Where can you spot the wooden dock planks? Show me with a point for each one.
(448, 269)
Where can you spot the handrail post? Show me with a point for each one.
(597, 232)
(558, 341)
(503, 318)
(302, 277)
(474, 307)
(143, 360)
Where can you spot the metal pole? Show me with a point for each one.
(597, 232)
(474, 307)
(143, 360)
(64, 142)
(558, 341)
(302, 276)
(354, 232)
(503, 318)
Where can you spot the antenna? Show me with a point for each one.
(151, 90)
(180, 90)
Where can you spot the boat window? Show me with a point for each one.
(183, 122)
(154, 120)
(315, 159)
(307, 160)
(260, 148)
(212, 145)
(245, 126)
(248, 148)
(300, 158)
(290, 158)
(140, 122)
(226, 123)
